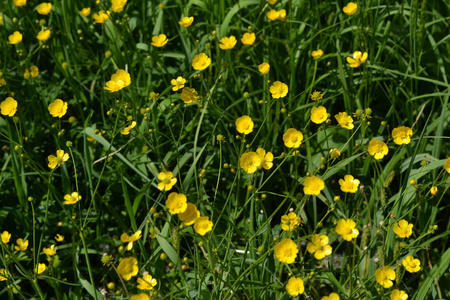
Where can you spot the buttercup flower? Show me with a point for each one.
(272, 2)
(159, 40)
(350, 8)
(398, 295)
(377, 149)
(344, 120)
(316, 54)
(43, 35)
(128, 267)
(313, 185)
(347, 229)
(121, 79)
(58, 108)
(332, 296)
(384, 276)
(5, 237)
(189, 215)
(85, 11)
(176, 203)
(72, 198)
(282, 15)
(266, 158)
(357, 59)
(248, 38)
(59, 159)
(59, 238)
(8, 107)
(203, 225)
(411, 264)
(127, 129)
(402, 229)
(319, 114)
(140, 296)
(292, 138)
(201, 61)
(189, 95)
(290, 221)
(186, 21)
(227, 43)
(15, 38)
(244, 124)
(40, 268)
(278, 89)
(167, 181)
(178, 83)
(433, 190)
(50, 251)
(21, 245)
(250, 162)
(295, 286)
(316, 96)
(286, 251)
(44, 8)
(319, 246)
(118, 5)
(147, 282)
(264, 68)
(447, 165)
(34, 71)
(335, 153)
(349, 184)
(3, 275)
(20, 2)
(130, 239)
(402, 135)
(272, 15)
(101, 17)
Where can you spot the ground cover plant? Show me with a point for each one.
(218, 149)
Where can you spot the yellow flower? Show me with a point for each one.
(189, 215)
(2, 82)
(292, 138)
(178, 83)
(244, 124)
(201, 61)
(433, 190)
(59, 159)
(319, 114)
(59, 238)
(21, 245)
(20, 2)
(402, 229)
(167, 181)
(50, 251)
(286, 251)
(15, 38)
(402, 135)
(316, 96)
(189, 95)
(58, 108)
(121, 79)
(347, 229)
(384, 276)
(203, 225)
(357, 59)
(43, 35)
(40, 268)
(282, 15)
(44, 8)
(290, 221)
(147, 282)
(128, 267)
(278, 89)
(295, 286)
(176, 203)
(130, 239)
(349, 184)
(101, 17)
(159, 40)
(250, 162)
(378, 149)
(248, 38)
(411, 264)
(264, 68)
(34, 71)
(266, 158)
(335, 153)
(344, 120)
(272, 15)
(3, 275)
(332, 296)
(398, 295)
(227, 43)
(319, 246)
(117, 5)
(5, 237)
(127, 129)
(447, 165)
(273, 2)
(186, 21)
(316, 54)
(86, 12)
(141, 296)
(313, 185)
(8, 107)
(350, 8)
(73, 198)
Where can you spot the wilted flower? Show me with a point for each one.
(34, 71)
(130, 239)
(189, 95)
(316, 96)
(59, 238)
(3, 275)
(127, 129)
